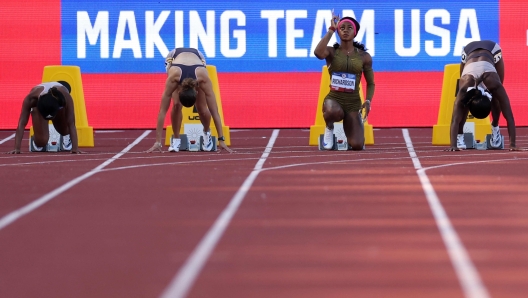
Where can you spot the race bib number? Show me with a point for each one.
(343, 82)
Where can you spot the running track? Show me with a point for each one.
(278, 218)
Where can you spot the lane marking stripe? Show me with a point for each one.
(13, 216)
(7, 139)
(185, 278)
(466, 272)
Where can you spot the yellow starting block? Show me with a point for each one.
(441, 131)
(318, 128)
(72, 75)
(190, 115)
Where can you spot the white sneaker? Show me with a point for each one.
(207, 141)
(175, 145)
(66, 143)
(496, 137)
(460, 142)
(328, 140)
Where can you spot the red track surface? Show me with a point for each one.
(312, 223)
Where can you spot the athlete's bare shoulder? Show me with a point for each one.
(36, 89)
(34, 92)
(202, 73)
(174, 73)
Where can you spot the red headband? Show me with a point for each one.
(347, 20)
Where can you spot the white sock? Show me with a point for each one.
(495, 128)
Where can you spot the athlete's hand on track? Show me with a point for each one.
(452, 149)
(77, 152)
(514, 148)
(155, 147)
(16, 151)
(224, 146)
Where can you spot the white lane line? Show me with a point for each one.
(7, 139)
(467, 274)
(183, 281)
(108, 131)
(13, 216)
(343, 161)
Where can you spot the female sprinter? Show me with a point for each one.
(48, 101)
(188, 84)
(346, 63)
(482, 67)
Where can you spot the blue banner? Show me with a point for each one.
(272, 36)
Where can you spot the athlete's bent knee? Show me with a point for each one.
(356, 148)
(40, 142)
(356, 145)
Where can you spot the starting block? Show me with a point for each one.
(488, 142)
(471, 143)
(339, 144)
(469, 140)
(340, 140)
(54, 142)
(188, 144)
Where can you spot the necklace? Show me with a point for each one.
(350, 51)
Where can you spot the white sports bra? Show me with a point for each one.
(48, 86)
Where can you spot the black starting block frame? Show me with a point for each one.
(488, 143)
(471, 143)
(186, 145)
(49, 147)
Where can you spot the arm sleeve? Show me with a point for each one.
(369, 77)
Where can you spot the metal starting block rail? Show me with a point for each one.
(188, 144)
(471, 143)
(54, 142)
(51, 146)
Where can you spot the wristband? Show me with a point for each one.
(222, 138)
(332, 28)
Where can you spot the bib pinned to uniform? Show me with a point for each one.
(343, 82)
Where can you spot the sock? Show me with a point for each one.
(495, 128)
